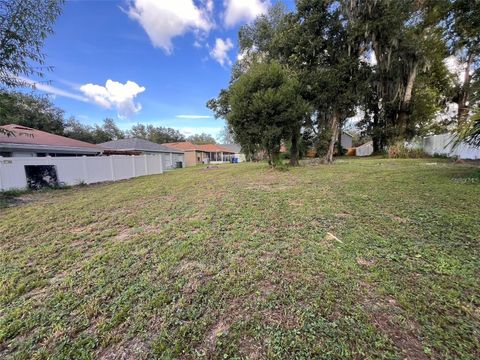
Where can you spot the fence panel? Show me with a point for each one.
(444, 145)
(74, 170)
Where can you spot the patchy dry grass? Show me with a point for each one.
(363, 259)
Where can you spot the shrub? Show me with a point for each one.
(400, 151)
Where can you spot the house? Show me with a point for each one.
(237, 149)
(171, 157)
(28, 142)
(203, 154)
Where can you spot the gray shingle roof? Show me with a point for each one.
(134, 144)
(233, 147)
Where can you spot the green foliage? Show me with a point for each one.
(400, 151)
(154, 134)
(31, 110)
(469, 132)
(201, 139)
(265, 108)
(24, 26)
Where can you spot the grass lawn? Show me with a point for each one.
(367, 258)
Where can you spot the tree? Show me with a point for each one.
(405, 40)
(317, 43)
(469, 132)
(107, 132)
(463, 31)
(162, 135)
(265, 108)
(226, 135)
(24, 26)
(30, 110)
(157, 135)
(201, 139)
(76, 130)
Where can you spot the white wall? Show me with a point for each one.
(74, 170)
(365, 149)
(443, 145)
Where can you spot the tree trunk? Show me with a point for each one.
(339, 143)
(404, 113)
(328, 159)
(294, 148)
(376, 130)
(463, 107)
(275, 156)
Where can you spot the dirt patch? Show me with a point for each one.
(251, 349)
(343, 215)
(123, 235)
(132, 349)
(281, 316)
(364, 262)
(384, 313)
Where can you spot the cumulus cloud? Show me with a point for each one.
(115, 95)
(163, 20)
(220, 51)
(237, 11)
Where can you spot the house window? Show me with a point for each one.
(5, 154)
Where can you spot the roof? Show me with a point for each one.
(25, 137)
(135, 144)
(185, 146)
(232, 147)
(188, 146)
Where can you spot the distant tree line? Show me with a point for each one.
(302, 74)
(40, 113)
(24, 26)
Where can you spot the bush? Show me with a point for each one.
(400, 151)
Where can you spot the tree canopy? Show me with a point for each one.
(386, 59)
(24, 26)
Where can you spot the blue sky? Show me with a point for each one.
(148, 61)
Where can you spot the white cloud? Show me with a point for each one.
(187, 131)
(237, 11)
(193, 117)
(163, 20)
(220, 51)
(115, 94)
(52, 90)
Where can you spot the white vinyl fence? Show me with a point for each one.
(75, 170)
(444, 145)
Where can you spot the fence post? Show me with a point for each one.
(161, 163)
(146, 164)
(85, 173)
(1, 171)
(133, 165)
(112, 170)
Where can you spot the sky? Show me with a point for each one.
(145, 61)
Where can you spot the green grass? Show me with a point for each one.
(244, 262)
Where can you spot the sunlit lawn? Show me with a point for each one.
(367, 258)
